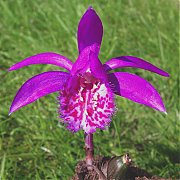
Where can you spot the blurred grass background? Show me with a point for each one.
(33, 144)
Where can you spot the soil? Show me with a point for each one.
(101, 170)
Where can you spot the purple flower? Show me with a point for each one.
(87, 89)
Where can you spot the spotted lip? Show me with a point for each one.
(89, 106)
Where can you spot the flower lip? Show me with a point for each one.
(88, 105)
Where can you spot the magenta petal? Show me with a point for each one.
(82, 61)
(44, 58)
(136, 89)
(90, 31)
(130, 61)
(38, 86)
(96, 67)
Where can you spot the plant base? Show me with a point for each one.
(132, 172)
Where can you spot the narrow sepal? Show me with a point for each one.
(134, 62)
(44, 58)
(90, 31)
(38, 86)
(136, 89)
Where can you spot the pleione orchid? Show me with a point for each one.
(87, 89)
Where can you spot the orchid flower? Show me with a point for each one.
(87, 89)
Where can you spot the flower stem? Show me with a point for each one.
(89, 149)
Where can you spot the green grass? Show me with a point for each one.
(146, 29)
